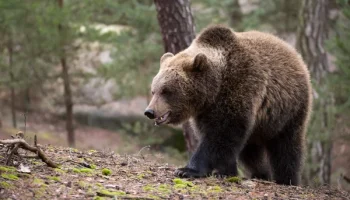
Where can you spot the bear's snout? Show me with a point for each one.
(150, 113)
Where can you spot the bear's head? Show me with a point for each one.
(180, 88)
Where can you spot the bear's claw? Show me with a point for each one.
(188, 173)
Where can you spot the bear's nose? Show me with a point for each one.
(150, 113)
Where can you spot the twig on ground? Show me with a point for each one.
(19, 142)
(143, 148)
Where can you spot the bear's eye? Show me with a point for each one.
(152, 92)
(166, 91)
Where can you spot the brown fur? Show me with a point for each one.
(248, 95)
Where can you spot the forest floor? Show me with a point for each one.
(92, 174)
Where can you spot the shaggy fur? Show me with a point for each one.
(247, 95)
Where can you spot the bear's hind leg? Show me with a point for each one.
(253, 157)
(286, 154)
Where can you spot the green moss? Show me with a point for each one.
(182, 183)
(38, 181)
(40, 191)
(234, 179)
(106, 172)
(112, 193)
(164, 188)
(55, 178)
(86, 170)
(7, 169)
(140, 176)
(151, 196)
(58, 170)
(82, 170)
(90, 192)
(215, 189)
(147, 188)
(11, 177)
(98, 198)
(5, 185)
(99, 185)
(83, 185)
(92, 151)
(93, 166)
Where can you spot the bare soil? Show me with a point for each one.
(94, 174)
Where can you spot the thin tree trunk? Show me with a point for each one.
(67, 89)
(236, 15)
(312, 34)
(12, 88)
(178, 31)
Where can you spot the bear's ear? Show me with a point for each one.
(200, 63)
(166, 56)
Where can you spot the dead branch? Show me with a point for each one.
(13, 151)
(347, 179)
(21, 143)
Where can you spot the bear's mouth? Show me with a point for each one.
(162, 119)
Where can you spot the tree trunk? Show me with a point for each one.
(67, 89)
(176, 23)
(178, 31)
(12, 88)
(236, 15)
(312, 34)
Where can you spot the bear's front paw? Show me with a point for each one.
(189, 173)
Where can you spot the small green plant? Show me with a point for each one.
(234, 179)
(55, 178)
(106, 172)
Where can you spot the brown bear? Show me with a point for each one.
(248, 98)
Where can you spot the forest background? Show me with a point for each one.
(78, 73)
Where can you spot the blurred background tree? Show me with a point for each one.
(312, 35)
(104, 56)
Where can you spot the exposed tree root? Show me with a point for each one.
(19, 142)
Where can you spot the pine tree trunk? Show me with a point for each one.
(176, 24)
(178, 31)
(67, 89)
(312, 34)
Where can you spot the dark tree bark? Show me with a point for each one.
(12, 88)
(178, 31)
(176, 23)
(312, 34)
(67, 89)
